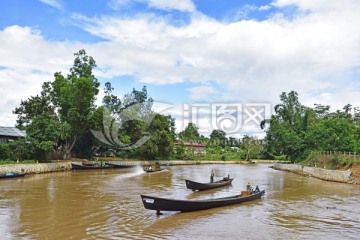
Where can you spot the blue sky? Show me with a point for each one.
(194, 53)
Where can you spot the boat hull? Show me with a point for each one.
(164, 204)
(12, 175)
(114, 165)
(206, 186)
(153, 170)
(76, 166)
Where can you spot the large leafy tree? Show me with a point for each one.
(285, 135)
(251, 146)
(190, 133)
(218, 137)
(74, 97)
(62, 112)
(161, 142)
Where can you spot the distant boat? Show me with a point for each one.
(166, 204)
(205, 186)
(12, 175)
(150, 170)
(116, 165)
(77, 166)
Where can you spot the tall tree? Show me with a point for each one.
(285, 135)
(190, 133)
(66, 104)
(218, 137)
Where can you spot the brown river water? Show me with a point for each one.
(106, 204)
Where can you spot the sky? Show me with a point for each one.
(220, 64)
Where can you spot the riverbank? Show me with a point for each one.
(352, 175)
(35, 168)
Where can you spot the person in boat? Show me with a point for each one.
(226, 178)
(257, 189)
(248, 186)
(212, 176)
(150, 168)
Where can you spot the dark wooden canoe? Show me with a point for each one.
(77, 166)
(115, 165)
(12, 175)
(153, 170)
(205, 186)
(165, 204)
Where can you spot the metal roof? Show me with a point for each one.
(11, 132)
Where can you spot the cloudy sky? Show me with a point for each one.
(203, 57)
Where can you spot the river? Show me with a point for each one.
(106, 204)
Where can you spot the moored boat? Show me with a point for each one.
(119, 165)
(77, 166)
(165, 204)
(205, 186)
(12, 175)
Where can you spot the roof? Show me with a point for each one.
(190, 144)
(11, 132)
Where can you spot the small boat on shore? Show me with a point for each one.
(12, 175)
(206, 186)
(165, 204)
(79, 166)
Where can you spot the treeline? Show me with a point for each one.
(63, 121)
(295, 131)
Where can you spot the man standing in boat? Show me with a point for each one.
(212, 176)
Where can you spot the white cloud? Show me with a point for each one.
(118, 4)
(53, 3)
(264, 8)
(202, 93)
(181, 5)
(26, 61)
(254, 61)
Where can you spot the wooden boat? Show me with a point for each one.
(12, 175)
(115, 165)
(150, 170)
(205, 186)
(166, 204)
(77, 166)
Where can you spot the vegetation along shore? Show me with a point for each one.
(57, 124)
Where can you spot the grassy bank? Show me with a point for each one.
(334, 161)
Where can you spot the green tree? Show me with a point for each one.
(190, 133)
(62, 112)
(285, 135)
(218, 137)
(161, 142)
(251, 146)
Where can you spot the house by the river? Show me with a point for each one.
(10, 134)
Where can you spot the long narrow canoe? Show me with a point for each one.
(12, 175)
(77, 166)
(119, 165)
(165, 204)
(205, 186)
